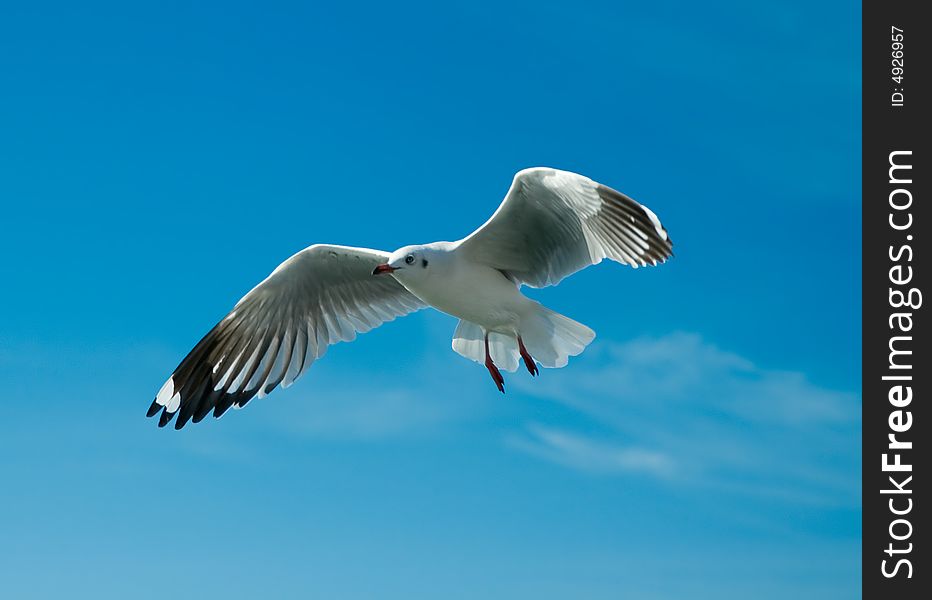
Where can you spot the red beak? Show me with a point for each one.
(379, 270)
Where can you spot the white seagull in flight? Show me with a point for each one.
(550, 224)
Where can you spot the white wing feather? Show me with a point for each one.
(553, 223)
(320, 296)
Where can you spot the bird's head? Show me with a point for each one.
(410, 262)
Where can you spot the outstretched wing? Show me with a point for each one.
(553, 223)
(320, 296)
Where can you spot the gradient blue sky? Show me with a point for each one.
(157, 160)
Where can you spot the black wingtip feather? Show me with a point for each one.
(179, 423)
(224, 404)
(153, 409)
(165, 418)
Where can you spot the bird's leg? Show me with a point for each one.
(493, 370)
(528, 359)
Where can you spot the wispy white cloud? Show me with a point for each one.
(680, 408)
(589, 454)
(682, 371)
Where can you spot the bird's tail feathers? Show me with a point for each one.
(549, 337)
(469, 341)
(552, 338)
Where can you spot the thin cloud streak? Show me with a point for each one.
(679, 408)
(580, 452)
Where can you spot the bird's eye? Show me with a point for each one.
(409, 259)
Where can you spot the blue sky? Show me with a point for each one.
(158, 159)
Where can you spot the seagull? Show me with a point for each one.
(551, 224)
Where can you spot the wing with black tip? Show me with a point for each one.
(320, 296)
(553, 223)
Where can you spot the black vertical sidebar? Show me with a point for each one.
(895, 269)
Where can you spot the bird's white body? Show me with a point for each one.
(551, 224)
(464, 289)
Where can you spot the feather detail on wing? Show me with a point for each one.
(320, 296)
(553, 223)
